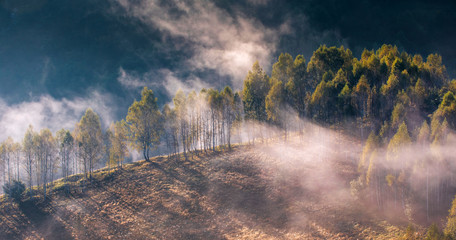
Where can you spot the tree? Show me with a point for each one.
(345, 101)
(326, 59)
(229, 111)
(425, 132)
(447, 109)
(180, 106)
(275, 102)
(361, 92)
(66, 144)
(398, 115)
(282, 70)
(437, 71)
(256, 88)
(423, 140)
(398, 143)
(28, 148)
(450, 228)
(370, 145)
(298, 86)
(215, 106)
(119, 148)
(319, 101)
(6, 153)
(419, 92)
(17, 150)
(45, 150)
(170, 130)
(89, 139)
(277, 107)
(145, 121)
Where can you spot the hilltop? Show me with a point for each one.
(263, 191)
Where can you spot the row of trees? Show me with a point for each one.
(44, 156)
(412, 171)
(379, 92)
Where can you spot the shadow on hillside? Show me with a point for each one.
(44, 223)
(239, 184)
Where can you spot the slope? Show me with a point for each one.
(267, 191)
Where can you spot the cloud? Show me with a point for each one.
(169, 81)
(132, 80)
(225, 43)
(48, 112)
(172, 84)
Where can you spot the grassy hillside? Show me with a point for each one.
(266, 191)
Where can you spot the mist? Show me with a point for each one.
(48, 112)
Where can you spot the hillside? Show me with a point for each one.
(262, 191)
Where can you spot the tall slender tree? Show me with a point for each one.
(28, 148)
(89, 139)
(146, 123)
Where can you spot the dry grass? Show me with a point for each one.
(246, 193)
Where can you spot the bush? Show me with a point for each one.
(14, 190)
(434, 233)
(410, 233)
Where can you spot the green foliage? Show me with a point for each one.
(146, 123)
(434, 233)
(332, 59)
(14, 190)
(370, 145)
(450, 228)
(410, 233)
(372, 167)
(298, 86)
(256, 88)
(399, 141)
(398, 115)
(89, 139)
(420, 91)
(447, 109)
(437, 71)
(119, 148)
(275, 102)
(424, 134)
(384, 133)
(392, 85)
(361, 93)
(282, 70)
(320, 100)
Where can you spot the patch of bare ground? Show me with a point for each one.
(266, 191)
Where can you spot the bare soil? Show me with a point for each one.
(250, 192)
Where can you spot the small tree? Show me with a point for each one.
(14, 190)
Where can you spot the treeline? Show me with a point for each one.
(385, 92)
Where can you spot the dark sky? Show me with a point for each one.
(75, 54)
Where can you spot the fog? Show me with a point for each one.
(55, 114)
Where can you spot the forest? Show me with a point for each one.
(401, 107)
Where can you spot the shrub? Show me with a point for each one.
(14, 190)
(434, 233)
